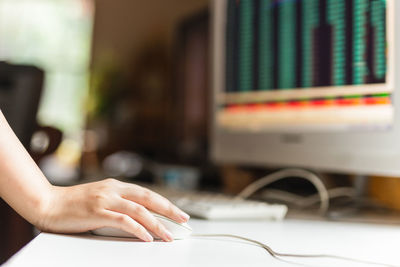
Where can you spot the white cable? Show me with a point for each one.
(282, 174)
(279, 255)
(303, 202)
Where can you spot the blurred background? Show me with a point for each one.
(111, 79)
(121, 90)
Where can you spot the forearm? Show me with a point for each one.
(22, 184)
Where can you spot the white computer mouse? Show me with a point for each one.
(178, 230)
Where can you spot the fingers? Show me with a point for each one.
(126, 223)
(127, 208)
(154, 202)
(142, 216)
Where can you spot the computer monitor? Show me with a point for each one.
(307, 83)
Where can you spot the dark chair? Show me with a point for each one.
(20, 91)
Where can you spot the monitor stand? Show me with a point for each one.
(361, 186)
(360, 204)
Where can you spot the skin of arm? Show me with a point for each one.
(76, 209)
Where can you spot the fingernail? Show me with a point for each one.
(184, 216)
(148, 237)
(168, 236)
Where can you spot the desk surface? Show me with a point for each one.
(368, 242)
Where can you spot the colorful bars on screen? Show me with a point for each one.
(378, 23)
(359, 37)
(246, 45)
(286, 39)
(288, 44)
(336, 18)
(265, 48)
(313, 103)
(310, 14)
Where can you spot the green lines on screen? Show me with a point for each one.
(360, 70)
(378, 17)
(246, 45)
(336, 18)
(287, 49)
(265, 45)
(287, 44)
(310, 14)
(230, 45)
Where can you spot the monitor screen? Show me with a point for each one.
(305, 65)
(307, 83)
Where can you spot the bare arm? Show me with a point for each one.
(78, 208)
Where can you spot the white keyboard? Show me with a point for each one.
(219, 207)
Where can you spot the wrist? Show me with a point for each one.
(62, 209)
(47, 208)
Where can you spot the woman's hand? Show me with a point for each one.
(108, 203)
(80, 208)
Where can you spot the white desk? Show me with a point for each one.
(369, 242)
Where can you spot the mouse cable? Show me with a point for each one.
(286, 173)
(307, 201)
(279, 255)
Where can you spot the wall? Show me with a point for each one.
(122, 27)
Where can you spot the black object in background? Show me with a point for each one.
(191, 91)
(20, 92)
